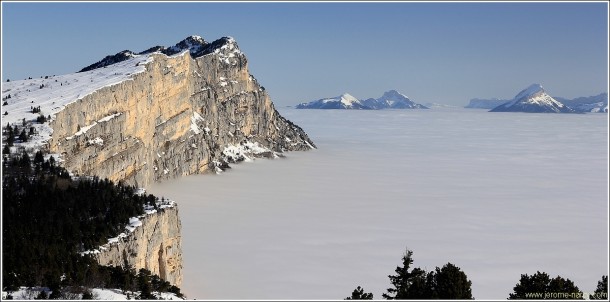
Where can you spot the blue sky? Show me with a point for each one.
(432, 52)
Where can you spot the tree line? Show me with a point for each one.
(49, 219)
(450, 282)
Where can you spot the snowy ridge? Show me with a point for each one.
(134, 222)
(225, 47)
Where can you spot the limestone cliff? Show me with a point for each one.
(182, 115)
(150, 116)
(154, 244)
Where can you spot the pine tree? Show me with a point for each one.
(359, 294)
(601, 292)
(407, 284)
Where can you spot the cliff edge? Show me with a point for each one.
(151, 116)
(182, 115)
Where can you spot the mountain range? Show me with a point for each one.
(535, 99)
(389, 100)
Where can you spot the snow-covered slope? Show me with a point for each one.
(596, 103)
(344, 101)
(533, 99)
(53, 93)
(394, 100)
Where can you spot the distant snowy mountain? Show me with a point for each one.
(437, 105)
(344, 101)
(596, 103)
(394, 100)
(485, 103)
(389, 100)
(533, 99)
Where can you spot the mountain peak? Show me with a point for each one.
(530, 91)
(226, 47)
(393, 94)
(348, 96)
(348, 99)
(191, 43)
(533, 99)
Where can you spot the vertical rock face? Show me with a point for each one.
(176, 118)
(155, 245)
(195, 108)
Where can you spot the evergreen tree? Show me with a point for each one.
(601, 292)
(25, 161)
(23, 136)
(407, 284)
(38, 158)
(11, 138)
(451, 283)
(144, 285)
(541, 286)
(359, 294)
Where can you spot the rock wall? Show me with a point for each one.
(155, 245)
(181, 116)
(174, 119)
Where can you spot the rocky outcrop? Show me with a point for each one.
(154, 244)
(194, 108)
(178, 117)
